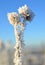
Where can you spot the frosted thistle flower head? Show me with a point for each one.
(26, 13)
(13, 18)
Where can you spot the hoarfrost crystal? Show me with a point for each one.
(23, 9)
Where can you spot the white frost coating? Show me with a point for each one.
(13, 18)
(19, 58)
(26, 13)
(22, 9)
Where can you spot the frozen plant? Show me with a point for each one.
(19, 28)
(26, 13)
(13, 17)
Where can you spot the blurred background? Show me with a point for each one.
(33, 54)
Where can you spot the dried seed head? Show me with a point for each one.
(13, 18)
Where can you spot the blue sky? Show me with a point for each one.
(35, 31)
